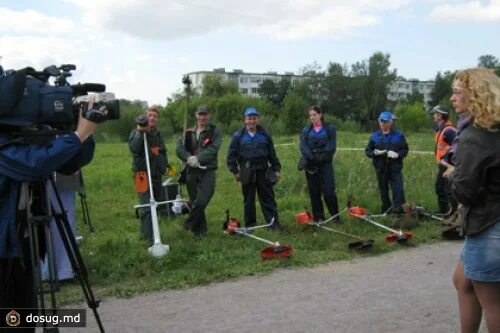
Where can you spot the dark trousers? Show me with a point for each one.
(16, 284)
(145, 212)
(264, 189)
(394, 178)
(443, 192)
(322, 182)
(201, 186)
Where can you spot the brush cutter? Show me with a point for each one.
(157, 250)
(395, 236)
(423, 212)
(306, 218)
(452, 229)
(273, 251)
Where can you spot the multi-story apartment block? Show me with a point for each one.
(248, 83)
(401, 88)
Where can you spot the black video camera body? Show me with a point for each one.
(27, 98)
(105, 107)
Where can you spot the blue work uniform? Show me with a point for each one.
(318, 148)
(388, 170)
(254, 157)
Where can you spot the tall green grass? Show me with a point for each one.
(118, 261)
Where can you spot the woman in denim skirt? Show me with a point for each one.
(475, 183)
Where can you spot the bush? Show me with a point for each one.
(294, 114)
(412, 117)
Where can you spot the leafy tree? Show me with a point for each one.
(275, 92)
(267, 89)
(338, 96)
(294, 113)
(442, 87)
(216, 86)
(488, 61)
(415, 97)
(377, 83)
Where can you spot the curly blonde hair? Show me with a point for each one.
(482, 87)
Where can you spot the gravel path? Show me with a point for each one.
(409, 290)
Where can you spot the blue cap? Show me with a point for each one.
(251, 112)
(386, 116)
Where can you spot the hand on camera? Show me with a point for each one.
(85, 127)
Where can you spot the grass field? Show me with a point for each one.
(119, 264)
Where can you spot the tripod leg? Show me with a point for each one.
(75, 256)
(38, 223)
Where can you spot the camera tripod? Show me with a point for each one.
(39, 210)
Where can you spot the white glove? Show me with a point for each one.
(192, 161)
(392, 154)
(379, 152)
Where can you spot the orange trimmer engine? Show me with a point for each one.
(231, 224)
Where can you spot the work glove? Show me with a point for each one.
(392, 154)
(378, 152)
(192, 161)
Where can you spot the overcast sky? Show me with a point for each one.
(141, 48)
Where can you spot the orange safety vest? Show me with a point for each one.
(442, 147)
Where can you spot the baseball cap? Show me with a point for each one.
(443, 109)
(203, 109)
(251, 112)
(386, 116)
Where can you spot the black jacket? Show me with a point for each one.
(475, 183)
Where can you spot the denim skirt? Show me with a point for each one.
(481, 255)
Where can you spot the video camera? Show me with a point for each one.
(27, 98)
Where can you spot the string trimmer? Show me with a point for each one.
(273, 251)
(306, 218)
(423, 212)
(395, 236)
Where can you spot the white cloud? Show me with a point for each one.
(144, 57)
(32, 22)
(333, 23)
(183, 59)
(473, 11)
(293, 19)
(36, 51)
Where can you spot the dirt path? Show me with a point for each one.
(404, 291)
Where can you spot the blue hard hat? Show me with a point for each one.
(251, 112)
(386, 116)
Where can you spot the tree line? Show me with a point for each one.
(351, 96)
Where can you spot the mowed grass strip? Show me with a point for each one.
(119, 264)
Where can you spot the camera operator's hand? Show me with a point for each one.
(85, 128)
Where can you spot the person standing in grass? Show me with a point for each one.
(199, 151)
(475, 184)
(318, 145)
(387, 148)
(252, 160)
(445, 134)
(158, 162)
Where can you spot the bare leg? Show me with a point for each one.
(468, 303)
(488, 294)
